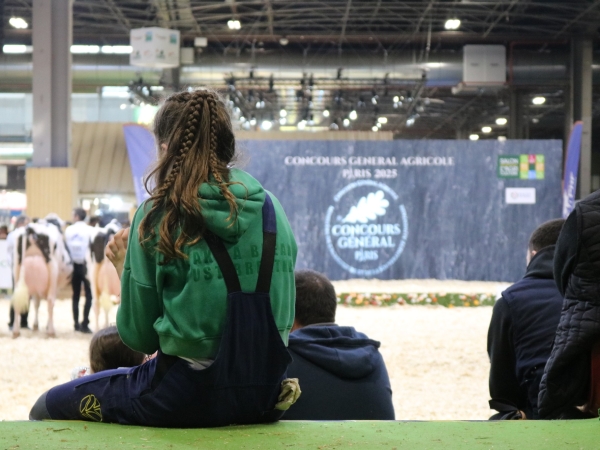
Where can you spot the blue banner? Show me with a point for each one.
(571, 169)
(142, 154)
(412, 209)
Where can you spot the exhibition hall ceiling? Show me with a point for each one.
(324, 60)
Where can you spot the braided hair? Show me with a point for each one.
(196, 130)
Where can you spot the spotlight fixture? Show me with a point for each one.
(501, 121)
(234, 24)
(284, 41)
(382, 120)
(452, 24)
(326, 113)
(538, 100)
(410, 121)
(375, 128)
(486, 129)
(474, 137)
(302, 125)
(253, 121)
(282, 121)
(18, 22)
(353, 115)
(282, 113)
(266, 125)
(346, 122)
(396, 99)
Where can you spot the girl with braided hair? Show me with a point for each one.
(207, 281)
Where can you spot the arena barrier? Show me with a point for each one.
(531, 435)
(411, 209)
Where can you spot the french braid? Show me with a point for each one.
(190, 124)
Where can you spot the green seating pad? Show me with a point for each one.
(531, 435)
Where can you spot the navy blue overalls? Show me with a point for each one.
(240, 387)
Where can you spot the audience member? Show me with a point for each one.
(342, 374)
(566, 382)
(522, 329)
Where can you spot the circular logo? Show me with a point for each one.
(366, 228)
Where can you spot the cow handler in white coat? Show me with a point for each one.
(77, 237)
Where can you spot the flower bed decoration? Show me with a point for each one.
(444, 299)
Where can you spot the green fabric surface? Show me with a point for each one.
(530, 435)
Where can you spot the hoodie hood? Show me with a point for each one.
(250, 197)
(341, 351)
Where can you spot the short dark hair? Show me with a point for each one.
(315, 298)
(80, 213)
(545, 235)
(107, 351)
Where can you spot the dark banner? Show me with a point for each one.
(412, 209)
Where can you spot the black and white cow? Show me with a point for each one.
(41, 263)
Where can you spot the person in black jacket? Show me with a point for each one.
(342, 374)
(522, 329)
(565, 386)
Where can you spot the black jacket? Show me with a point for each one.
(342, 375)
(566, 379)
(520, 337)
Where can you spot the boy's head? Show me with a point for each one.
(544, 236)
(79, 214)
(315, 299)
(107, 351)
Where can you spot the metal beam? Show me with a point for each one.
(590, 8)
(345, 21)
(501, 16)
(123, 21)
(270, 16)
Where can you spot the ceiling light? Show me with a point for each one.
(326, 113)
(486, 129)
(11, 48)
(116, 49)
(123, 106)
(234, 24)
(283, 113)
(284, 41)
(346, 122)
(382, 120)
(302, 125)
(375, 128)
(538, 100)
(266, 125)
(81, 49)
(353, 115)
(474, 137)
(252, 121)
(501, 121)
(18, 22)
(452, 24)
(396, 99)
(282, 121)
(379, 125)
(502, 138)
(410, 121)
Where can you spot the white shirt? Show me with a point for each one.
(77, 238)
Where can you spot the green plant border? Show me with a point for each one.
(449, 300)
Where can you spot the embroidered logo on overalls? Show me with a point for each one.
(90, 408)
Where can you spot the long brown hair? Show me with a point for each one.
(196, 129)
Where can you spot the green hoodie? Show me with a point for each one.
(180, 307)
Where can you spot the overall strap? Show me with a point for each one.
(267, 260)
(217, 248)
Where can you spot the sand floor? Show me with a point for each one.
(436, 358)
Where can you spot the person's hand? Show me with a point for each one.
(117, 248)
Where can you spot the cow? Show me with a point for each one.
(106, 286)
(41, 262)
